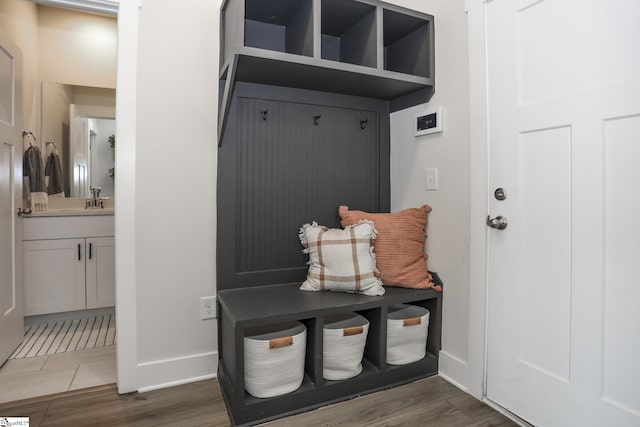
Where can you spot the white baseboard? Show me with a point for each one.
(453, 369)
(176, 371)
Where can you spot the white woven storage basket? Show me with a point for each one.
(407, 330)
(344, 339)
(274, 359)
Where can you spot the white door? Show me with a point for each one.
(11, 317)
(564, 144)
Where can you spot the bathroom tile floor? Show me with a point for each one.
(56, 373)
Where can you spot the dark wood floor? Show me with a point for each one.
(425, 403)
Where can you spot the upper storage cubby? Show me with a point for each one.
(348, 32)
(279, 25)
(406, 43)
(363, 48)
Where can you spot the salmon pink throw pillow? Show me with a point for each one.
(401, 259)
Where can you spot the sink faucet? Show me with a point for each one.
(95, 201)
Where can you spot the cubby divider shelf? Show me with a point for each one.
(243, 308)
(277, 69)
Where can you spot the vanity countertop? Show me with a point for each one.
(73, 207)
(71, 212)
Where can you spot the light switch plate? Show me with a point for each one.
(431, 177)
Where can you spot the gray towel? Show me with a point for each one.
(53, 170)
(32, 171)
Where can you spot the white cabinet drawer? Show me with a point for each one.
(67, 227)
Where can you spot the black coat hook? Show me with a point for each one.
(316, 119)
(264, 114)
(363, 123)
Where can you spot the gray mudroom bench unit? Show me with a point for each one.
(245, 308)
(307, 87)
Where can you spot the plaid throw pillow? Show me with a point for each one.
(341, 260)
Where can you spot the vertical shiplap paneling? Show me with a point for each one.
(291, 171)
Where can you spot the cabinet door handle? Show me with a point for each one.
(90, 250)
(78, 251)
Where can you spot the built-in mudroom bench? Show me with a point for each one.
(307, 87)
(249, 307)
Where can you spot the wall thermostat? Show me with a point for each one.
(428, 122)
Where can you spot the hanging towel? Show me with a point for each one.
(53, 176)
(33, 179)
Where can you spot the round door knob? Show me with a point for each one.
(499, 222)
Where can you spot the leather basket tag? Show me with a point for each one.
(412, 322)
(354, 330)
(280, 342)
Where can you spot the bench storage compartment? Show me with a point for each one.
(274, 359)
(344, 339)
(407, 331)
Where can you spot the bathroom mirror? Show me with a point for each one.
(80, 121)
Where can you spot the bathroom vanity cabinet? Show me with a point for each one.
(69, 263)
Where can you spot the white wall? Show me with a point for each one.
(448, 241)
(77, 48)
(175, 207)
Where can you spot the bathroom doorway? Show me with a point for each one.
(76, 349)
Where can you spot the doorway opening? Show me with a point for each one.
(67, 349)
